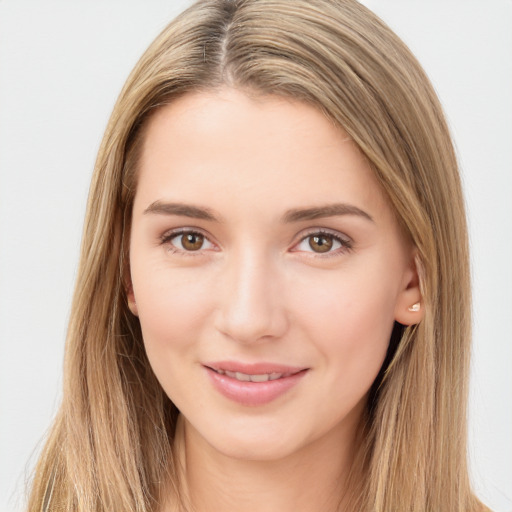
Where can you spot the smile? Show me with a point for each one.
(246, 377)
(253, 384)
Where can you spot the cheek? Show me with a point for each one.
(346, 302)
(350, 320)
(172, 307)
(172, 310)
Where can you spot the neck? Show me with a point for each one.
(313, 478)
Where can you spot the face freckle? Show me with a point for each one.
(267, 269)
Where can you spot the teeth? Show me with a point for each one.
(260, 378)
(244, 377)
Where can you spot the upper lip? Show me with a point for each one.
(253, 368)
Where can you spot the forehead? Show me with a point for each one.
(265, 152)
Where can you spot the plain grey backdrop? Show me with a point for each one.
(62, 64)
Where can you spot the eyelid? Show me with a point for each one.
(168, 235)
(345, 241)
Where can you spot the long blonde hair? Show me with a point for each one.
(111, 447)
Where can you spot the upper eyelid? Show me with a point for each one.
(171, 233)
(183, 230)
(323, 231)
(346, 242)
(167, 236)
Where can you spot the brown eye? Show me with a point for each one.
(321, 243)
(192, 241)
(187, 241)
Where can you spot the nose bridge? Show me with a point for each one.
(251, 307)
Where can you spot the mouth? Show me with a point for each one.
(253, 384)
(247, 377)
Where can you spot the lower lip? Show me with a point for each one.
(253, 393)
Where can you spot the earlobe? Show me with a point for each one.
(409, 306)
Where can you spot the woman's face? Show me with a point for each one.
(267, 271)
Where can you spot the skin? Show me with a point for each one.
(258, 289)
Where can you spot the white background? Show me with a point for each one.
(62, 64)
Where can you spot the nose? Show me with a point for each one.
(251, 303)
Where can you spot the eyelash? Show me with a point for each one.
(345, 244)
(167, 237)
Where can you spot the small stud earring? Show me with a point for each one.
(415, 307)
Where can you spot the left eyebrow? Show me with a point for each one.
(329, 210)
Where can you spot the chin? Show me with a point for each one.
(258, 449)
(261, 440)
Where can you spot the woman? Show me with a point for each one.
(266, 251)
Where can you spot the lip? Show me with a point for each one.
(253, 393)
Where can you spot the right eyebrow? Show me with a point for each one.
(181, 209)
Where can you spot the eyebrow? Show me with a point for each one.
(329, 210)
(290, 216)
(181, 209)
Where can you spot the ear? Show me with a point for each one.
(130, 296)
(410, 309)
